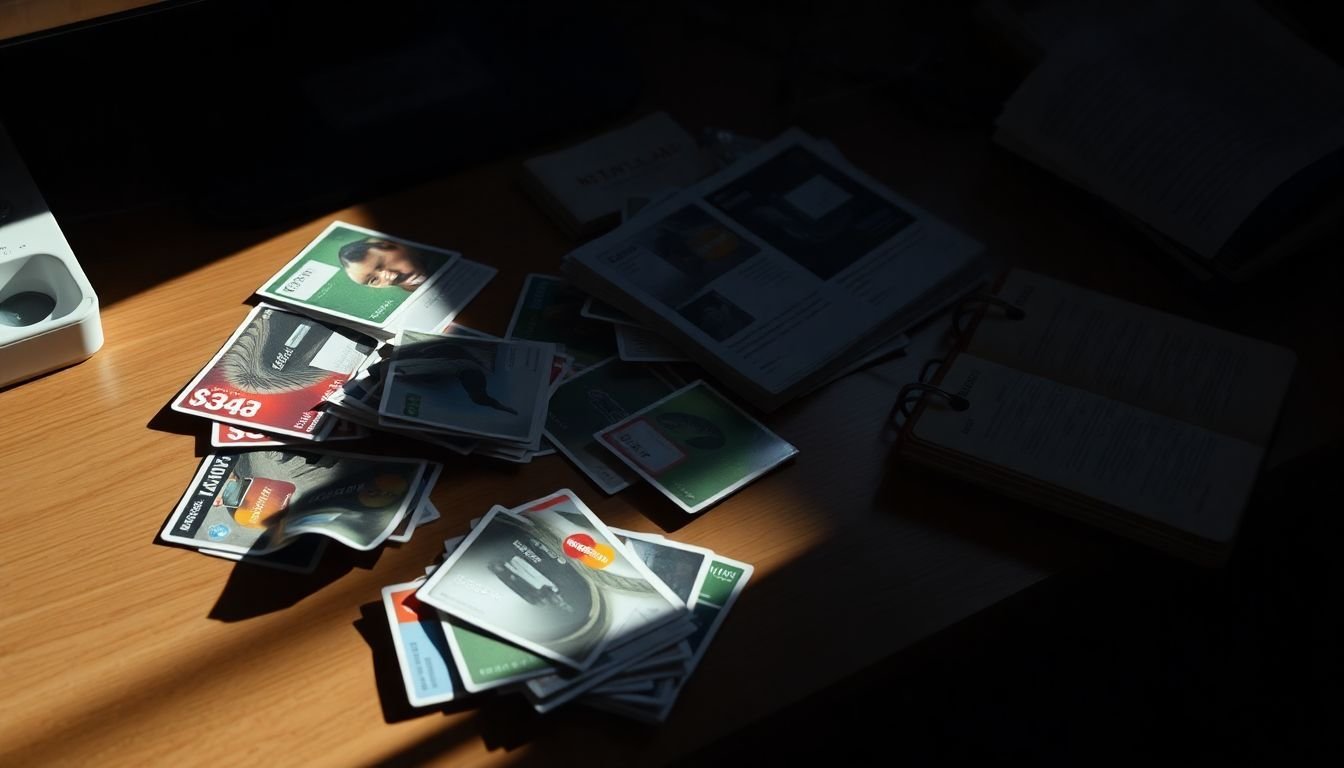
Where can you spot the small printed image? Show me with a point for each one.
(253, 501)
(697, 249)
(696, 431)
(812, 212)
(594, 400)
(476, 386)
(680, 567)
(446, 365)
(716, 315)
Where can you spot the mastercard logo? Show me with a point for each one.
(581, 547)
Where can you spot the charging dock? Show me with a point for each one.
(48, 311)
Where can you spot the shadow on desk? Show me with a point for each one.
(255, 590)
(1138, 656)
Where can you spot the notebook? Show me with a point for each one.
(1210, 126)
(584, 187)
(1147, 424)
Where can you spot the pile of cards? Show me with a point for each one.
(546, 600)
(280, 507)
(622, 418)
(462, 390)
(271, 377)
(356, 333)
(323, 318)
(692, 444)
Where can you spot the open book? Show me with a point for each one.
(780, 270)
(1209, 125)
(1142, 422)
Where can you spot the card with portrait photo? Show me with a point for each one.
(359, 277)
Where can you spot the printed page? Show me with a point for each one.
(1187, 117)
(1176, 367)
(593, 179)
(1186, 477)
(779, 264)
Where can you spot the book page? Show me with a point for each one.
(1187, 117)
(1192, 479)
(1160, 362)
(779, 265)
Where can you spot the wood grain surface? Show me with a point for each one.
(25, 17)
(115, 650)
(118, 650)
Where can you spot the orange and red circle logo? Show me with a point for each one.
(581, 547)
(385, 489)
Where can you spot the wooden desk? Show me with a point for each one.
(27, 17)
(116, 650)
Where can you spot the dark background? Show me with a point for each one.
(258, 112)
(255, 115)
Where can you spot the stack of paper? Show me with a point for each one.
(1212, 126)
(584, 187)
(776, 274)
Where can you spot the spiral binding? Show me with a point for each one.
(913, 392)
(968, 305)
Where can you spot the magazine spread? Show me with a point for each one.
(777, 269)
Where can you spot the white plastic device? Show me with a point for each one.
(48, 310)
